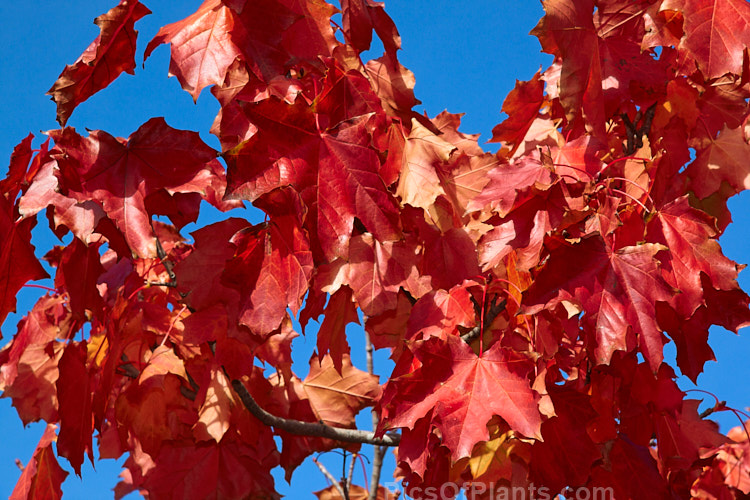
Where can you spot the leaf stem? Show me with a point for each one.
(41, 287)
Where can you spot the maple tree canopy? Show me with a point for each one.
(525, 296)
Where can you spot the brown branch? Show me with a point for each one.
(311, 428)
(635, 135)
(489, 317)
(709, 411)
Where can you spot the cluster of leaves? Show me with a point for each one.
(524, 295)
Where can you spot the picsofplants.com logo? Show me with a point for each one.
(491, 491)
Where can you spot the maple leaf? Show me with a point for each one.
(293, 402)
(419, 184)
(567, 30)
(449, 258)
(565, 456)
(360, 17)
(214, 415)
(340, 311)
(111, 53)
(17, 170)
(142, 412)
(48, 320)
(394, 84)
(450, 164)
(522, 232)
(464, 391)
(80, 218)
(272, 268)
(335, 172)
(17, 260)
(716, 34)
(721, 161)
(336, 396)
(202, 46)
(389, 328)
(522, 105)
(119, 173)
(508, 180)
(78, 272)
(689, 234)
(376, 271)
(618, 291)
(628, 71)
(199, 274)
(277, 349)
(439, 313)
(213, 470)
(630, 470)
(42, 476)
(76, 419)
(345, 95)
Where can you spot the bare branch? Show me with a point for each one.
(378, 451)
(350, 475)
(332, 479)
(311, 428)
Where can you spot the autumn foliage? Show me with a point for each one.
(525, 296)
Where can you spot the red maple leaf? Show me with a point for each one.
(42, 477)
(335, 172)
(202, 46)
(361, 17)
(332, 339)
(76, 419)
(272, 266)
(111, 53)
(522, 107)
(17, 261)
(119, 174)
(689, 234)
(567, 30)
(618, 290)
(211, 470)
(463, 391)
(716, 34)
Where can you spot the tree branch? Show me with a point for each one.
(311, 428)
(351, 473)
(378, 451)
(344, 494)
(489, 317)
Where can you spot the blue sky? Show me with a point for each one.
(466, 57)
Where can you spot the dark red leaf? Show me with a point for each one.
(74, 395)
(17, 261)
(111, 53)
(121, 173)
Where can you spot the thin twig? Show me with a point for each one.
(330, 477)
(311, 428)
(351, 474)
(709, 411)
(378, 451)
